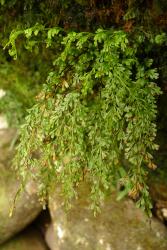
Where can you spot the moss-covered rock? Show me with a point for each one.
(28, 240)
(27, 205)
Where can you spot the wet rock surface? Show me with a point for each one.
(119, 226)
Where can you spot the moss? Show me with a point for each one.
(29, 239)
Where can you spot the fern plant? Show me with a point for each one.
(95, 117)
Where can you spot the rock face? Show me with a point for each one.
(158, 192)
(27, 205)
(28, 240)
(119, 226)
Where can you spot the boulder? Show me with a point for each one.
(30, 239)
(27, 206)
(158, 192)
(119, 226)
